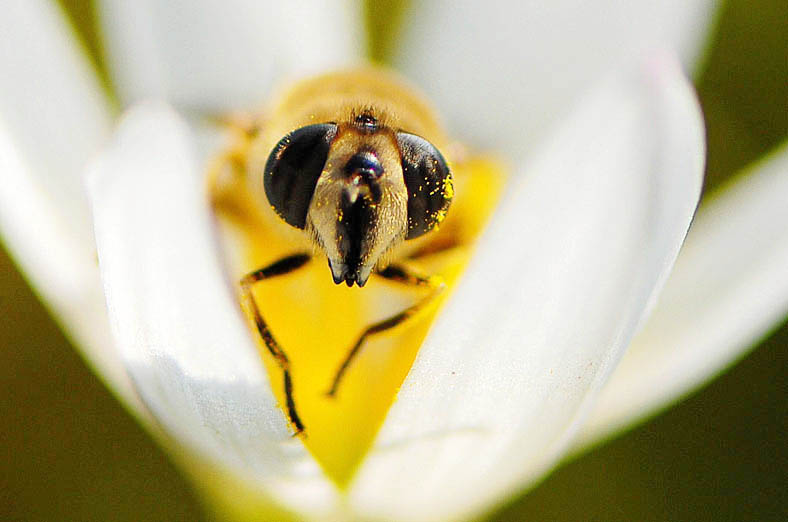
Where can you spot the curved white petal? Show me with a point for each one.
(558, 285)
(176, 321)
(216, 56)
(728, 289)
(53, 116)
(502, 71)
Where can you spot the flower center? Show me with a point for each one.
(316, 322)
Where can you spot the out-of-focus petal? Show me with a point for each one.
(560, 281)
(215, 56)
(53, 116)
(728, 289)
(175, 318)
(503, 71)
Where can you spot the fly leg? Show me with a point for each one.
(281, 267)
(230, 198)
(401, 274)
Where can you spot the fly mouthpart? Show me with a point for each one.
(355, 219)
(341, 273)
(362, 276)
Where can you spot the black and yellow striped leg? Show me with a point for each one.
(281, 267)
(401, 274)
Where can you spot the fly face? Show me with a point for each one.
(358, 188)
(359, 208)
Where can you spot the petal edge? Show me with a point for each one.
(576, 251)
(728, 289)
(176, 322)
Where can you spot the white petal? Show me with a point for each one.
(216, 56)
(503, 71)
(552, 298)
(175, 318)
(53, 116)
(728, 289)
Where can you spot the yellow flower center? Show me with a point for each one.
(316, 322)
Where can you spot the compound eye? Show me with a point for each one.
(293, 168)
(429, 183)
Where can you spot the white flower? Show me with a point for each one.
(516, 365)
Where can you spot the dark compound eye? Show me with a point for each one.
(428, 181)
(293, 168)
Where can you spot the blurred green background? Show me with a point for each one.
(69, 452)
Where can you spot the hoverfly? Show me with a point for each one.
(351, 164)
